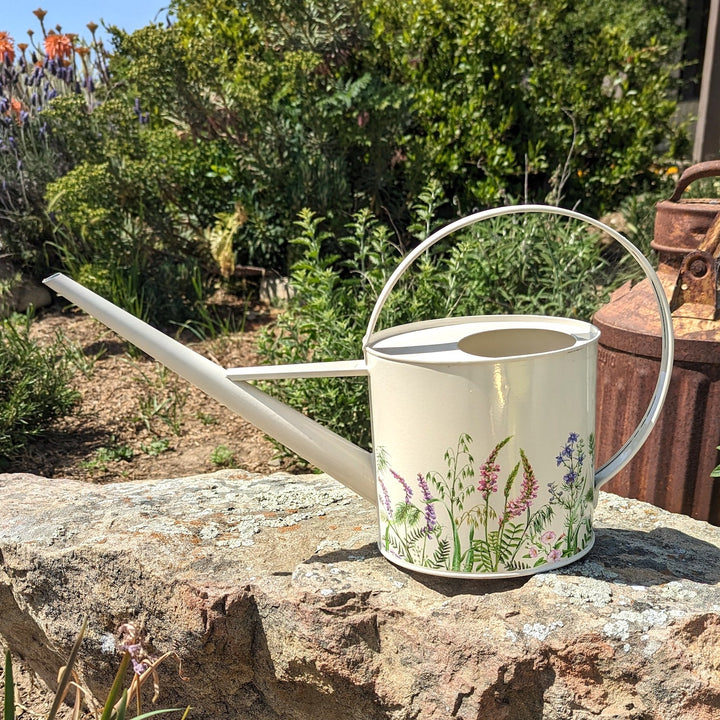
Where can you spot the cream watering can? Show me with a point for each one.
(483, 427)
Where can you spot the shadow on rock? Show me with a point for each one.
(662, 555)
(633, 557)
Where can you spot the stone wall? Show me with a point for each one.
(273, 594)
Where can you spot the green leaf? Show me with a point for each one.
(116, 690)
(9, 697)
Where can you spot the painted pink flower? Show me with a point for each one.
(528, 492)
(548, 536)
(554, 554)
(489, 472)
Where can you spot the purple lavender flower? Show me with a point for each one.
(406, 487)
(430, 517)
(573, 463)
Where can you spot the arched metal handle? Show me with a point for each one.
(623, 456)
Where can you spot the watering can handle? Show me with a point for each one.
(623, 456)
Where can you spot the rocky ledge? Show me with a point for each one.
(273, 595)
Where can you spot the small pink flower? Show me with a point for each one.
(553, 555)
(533, 552)
(548, 536)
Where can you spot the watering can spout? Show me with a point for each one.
(341, 459)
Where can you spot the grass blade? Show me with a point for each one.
(9, 702)
(67, 673)
(116, 688)
(121, 708)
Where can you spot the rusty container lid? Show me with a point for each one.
(687, 238)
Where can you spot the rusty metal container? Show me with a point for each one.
(673, 468)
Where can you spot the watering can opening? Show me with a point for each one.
(515, 342)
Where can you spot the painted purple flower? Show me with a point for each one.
(528, 492)
(573, 463)
(430, 517)
(406, 487)
(386, 496)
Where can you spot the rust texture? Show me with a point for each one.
(681, 224)
(673, 468)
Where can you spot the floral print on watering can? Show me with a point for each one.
(489, 517)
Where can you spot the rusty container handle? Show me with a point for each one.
(710, 168)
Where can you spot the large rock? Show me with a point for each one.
(274, 596)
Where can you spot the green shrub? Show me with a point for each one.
(513, 99)
(130, 218)
(338, 105)
(523, 264)
(34, 386)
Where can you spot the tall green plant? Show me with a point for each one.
(34, 385)
(530, 264)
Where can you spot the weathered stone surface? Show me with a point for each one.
(273, 593)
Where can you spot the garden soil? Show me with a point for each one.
(136, 419)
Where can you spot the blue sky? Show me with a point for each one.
(16, 16)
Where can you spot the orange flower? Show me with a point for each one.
(58, 47)
(16, 107)
(7, 49)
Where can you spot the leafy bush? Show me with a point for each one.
(504, 92)
(34, 386)
(131, 220)
(519, 264)
(338, 105)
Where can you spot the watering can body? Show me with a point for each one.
(483, 427)
(484, 443)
